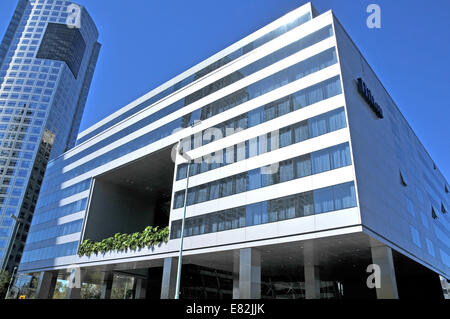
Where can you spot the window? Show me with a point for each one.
(344, 196)
(279, 209)
(254, 179)
(415, 236)
(318, 126)
(433, 213)
(179, 200)
(203, 193)
(301, 132)
(226, 187)
(323, 201)
(321, 161)
(63, 44)
(285, 137)
(241, 183)
(214, 191)
(430, 247)
(286, 171)
(303, 166)
(403, 179)
(410, 207)
(340, 156)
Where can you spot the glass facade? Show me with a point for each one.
(61, 43)
(306, 97)
(200, 74)
(292, 134)
(45, 73)
(319, 201)
(282, 108)
(309, 164)
(311, 65)
(49, 207)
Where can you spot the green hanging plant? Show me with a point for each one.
(150, 236)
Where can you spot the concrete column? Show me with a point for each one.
(169, 278)
(236, 274)
(107, 285)
(249, 274)
(312, 272)
(74, 289)
(140, 290)
(46, 286)
(382, 256)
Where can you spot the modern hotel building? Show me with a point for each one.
(303, 173)
(46, 67)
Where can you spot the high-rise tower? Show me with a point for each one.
(47, 60)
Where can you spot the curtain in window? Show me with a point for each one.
(215, 160)
(241, 183)
(187, 229)
(228, 219)
(227, 187)
(234, 215)
(204, 167)
(179, 199)
(203, 224)
(303, 166)
(345, 196)
(285, 137)
(253, 215)
(191, 196)
(320, 161)
(195, 227)
(336, 120)
(263, 211)
(203, 194)
(299, 100)
(254, 118)
(283, 107)
(220, 222)
(193, 169)
(214, 191)
(281, 208)
(340, 156)
(333, 88)
(213, 222)
(241, 123)
(182, 171)
(240, 151)
(272, 212)
(286, 171)
(269, 112)
(301, 132)
(315, 95)
(318, 126)
(268, 179)
(254, 179)
(323, 201)
(242, 217)
(290, 208)
(263, 143)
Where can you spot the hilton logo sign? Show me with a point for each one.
(368, 97)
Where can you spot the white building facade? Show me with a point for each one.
(303, 173)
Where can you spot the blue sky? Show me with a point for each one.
(146, 43)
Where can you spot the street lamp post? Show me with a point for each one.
(177, 291)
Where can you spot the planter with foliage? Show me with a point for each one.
(151, 236)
